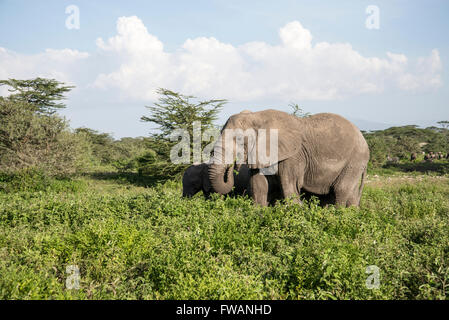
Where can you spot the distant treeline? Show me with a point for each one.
(402, 141)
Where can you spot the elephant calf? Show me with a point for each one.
(196, 179)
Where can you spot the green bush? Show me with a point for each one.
(105, 152)
(153, 165)
(34, 180)
(31, 140)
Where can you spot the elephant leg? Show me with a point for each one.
(345, 197)
(290, 190)
(259, 189)
(291, 178)
(274, 190)
(347, 188)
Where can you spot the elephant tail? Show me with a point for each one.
(362, 182)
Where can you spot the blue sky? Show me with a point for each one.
(257, 54)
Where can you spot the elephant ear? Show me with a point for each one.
(286, 133)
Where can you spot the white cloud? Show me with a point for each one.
(296, 69)
(62, 65)
(144, 65)
(294, 35)
(51, 63)
(134, 64)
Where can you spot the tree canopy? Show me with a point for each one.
(44, 94)
(174, 110)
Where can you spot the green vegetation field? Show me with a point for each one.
(134, 238)
(78, 199)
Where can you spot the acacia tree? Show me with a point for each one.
(174, 110)
(44, 94)
(31, 134)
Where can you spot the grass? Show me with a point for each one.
(137, 240)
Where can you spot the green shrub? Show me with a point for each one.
(150, 164)
(31, 140)
(104, 150)
(34, 180)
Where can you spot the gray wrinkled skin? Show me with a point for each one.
(323, 154)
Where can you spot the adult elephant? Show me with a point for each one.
(196, 179)
(323, 154)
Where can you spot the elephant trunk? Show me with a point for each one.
(221, 178)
